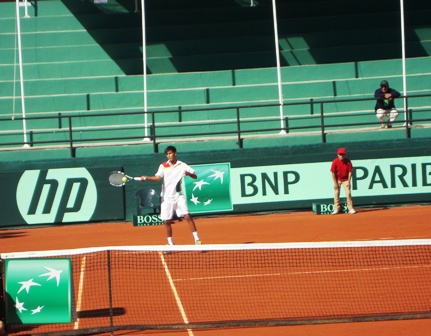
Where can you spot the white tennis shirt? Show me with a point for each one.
(172, 176)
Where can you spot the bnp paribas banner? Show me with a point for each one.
(220, 187)
(211, 191)
(38, 291)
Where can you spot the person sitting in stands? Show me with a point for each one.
(385, 106)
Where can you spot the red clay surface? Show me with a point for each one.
(412, 222)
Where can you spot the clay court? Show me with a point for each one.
(391, 223)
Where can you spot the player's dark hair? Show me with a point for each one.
(170, 148)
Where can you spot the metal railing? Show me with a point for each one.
(222, 123)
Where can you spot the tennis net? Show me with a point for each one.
(117, 289)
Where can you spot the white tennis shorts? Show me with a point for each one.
(176, 203)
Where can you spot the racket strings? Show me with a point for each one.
(116, 179)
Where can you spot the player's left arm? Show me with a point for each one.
(188, 171)
(191, 174)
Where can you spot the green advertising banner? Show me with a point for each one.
(59, 195)
(221, 188)
(210, 192)
(313, 181)
(243, 184)
(38, 291)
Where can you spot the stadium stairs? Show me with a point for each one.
(83, 58)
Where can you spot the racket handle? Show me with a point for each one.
(138, 178)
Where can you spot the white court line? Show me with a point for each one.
(174, 291)
(80, 290)
(301, 273)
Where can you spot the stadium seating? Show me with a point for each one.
(82, 58)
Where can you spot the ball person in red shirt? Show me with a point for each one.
(341, 170)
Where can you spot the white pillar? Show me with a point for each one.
(277, 52)
(403, 48)
(144, 65)
(21, 73)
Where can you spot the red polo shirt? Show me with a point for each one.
(341, 169)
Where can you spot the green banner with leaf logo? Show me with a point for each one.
(210, 192)
(38, 291)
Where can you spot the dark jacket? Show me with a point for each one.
(383, 103)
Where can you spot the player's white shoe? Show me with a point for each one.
(168, 252)
(199, 242)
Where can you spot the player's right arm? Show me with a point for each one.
(154, 178)
(143, 178)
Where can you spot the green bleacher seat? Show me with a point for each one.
(82, 58)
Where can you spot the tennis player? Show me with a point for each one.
(172, 195)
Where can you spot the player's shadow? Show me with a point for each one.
(7, 234)
(362, 210)
(104, 312)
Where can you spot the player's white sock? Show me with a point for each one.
(170, 241)
(195, 234)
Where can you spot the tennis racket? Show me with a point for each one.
(118, 179)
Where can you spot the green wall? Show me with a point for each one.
(397, 171)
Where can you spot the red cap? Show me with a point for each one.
(341, 151)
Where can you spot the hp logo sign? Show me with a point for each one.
(56, 196)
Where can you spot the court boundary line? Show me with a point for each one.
(175, 292)
(353, 270)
